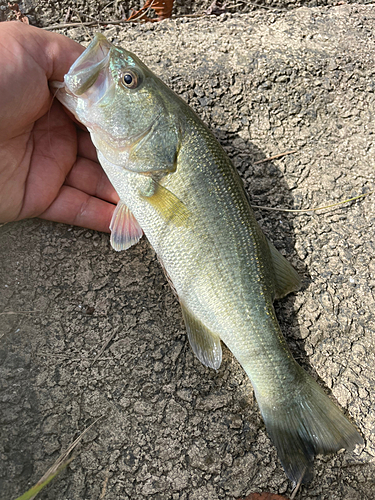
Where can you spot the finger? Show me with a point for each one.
(86, 148)
(53, 52)
(29, 54)
(53, 153)
(80, 209)
(89, 177)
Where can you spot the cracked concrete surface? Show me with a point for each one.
(173, 429)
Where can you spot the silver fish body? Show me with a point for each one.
(177, 185)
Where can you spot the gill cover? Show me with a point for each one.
(125, 107)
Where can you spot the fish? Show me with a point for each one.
(177, 186)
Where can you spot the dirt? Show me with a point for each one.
(266, 82)
(44, 13)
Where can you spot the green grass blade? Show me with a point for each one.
(57, 467)
(29, 495)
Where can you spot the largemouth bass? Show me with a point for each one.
(178, 187)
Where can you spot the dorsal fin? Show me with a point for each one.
(286, 277)
(125, 230)
(205, 344)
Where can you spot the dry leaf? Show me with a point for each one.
(19, 16)
(163, 9)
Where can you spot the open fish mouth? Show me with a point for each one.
(90, 73)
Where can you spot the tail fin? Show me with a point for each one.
(306, 425)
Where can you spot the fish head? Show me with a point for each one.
(121, 102)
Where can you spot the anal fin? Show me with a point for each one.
(205, 344)
(125, 230)
(286, 277)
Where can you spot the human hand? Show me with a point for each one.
(48, 165)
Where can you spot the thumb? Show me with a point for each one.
(54, 53)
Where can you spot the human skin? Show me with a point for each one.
(48, 164)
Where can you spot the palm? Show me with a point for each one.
(48, 166)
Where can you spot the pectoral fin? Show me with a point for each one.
(286, 277)
(205, 344)
(164, 201)
(125, 230)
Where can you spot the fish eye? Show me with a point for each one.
(130, 79)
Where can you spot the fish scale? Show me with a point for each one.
(177, 185)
